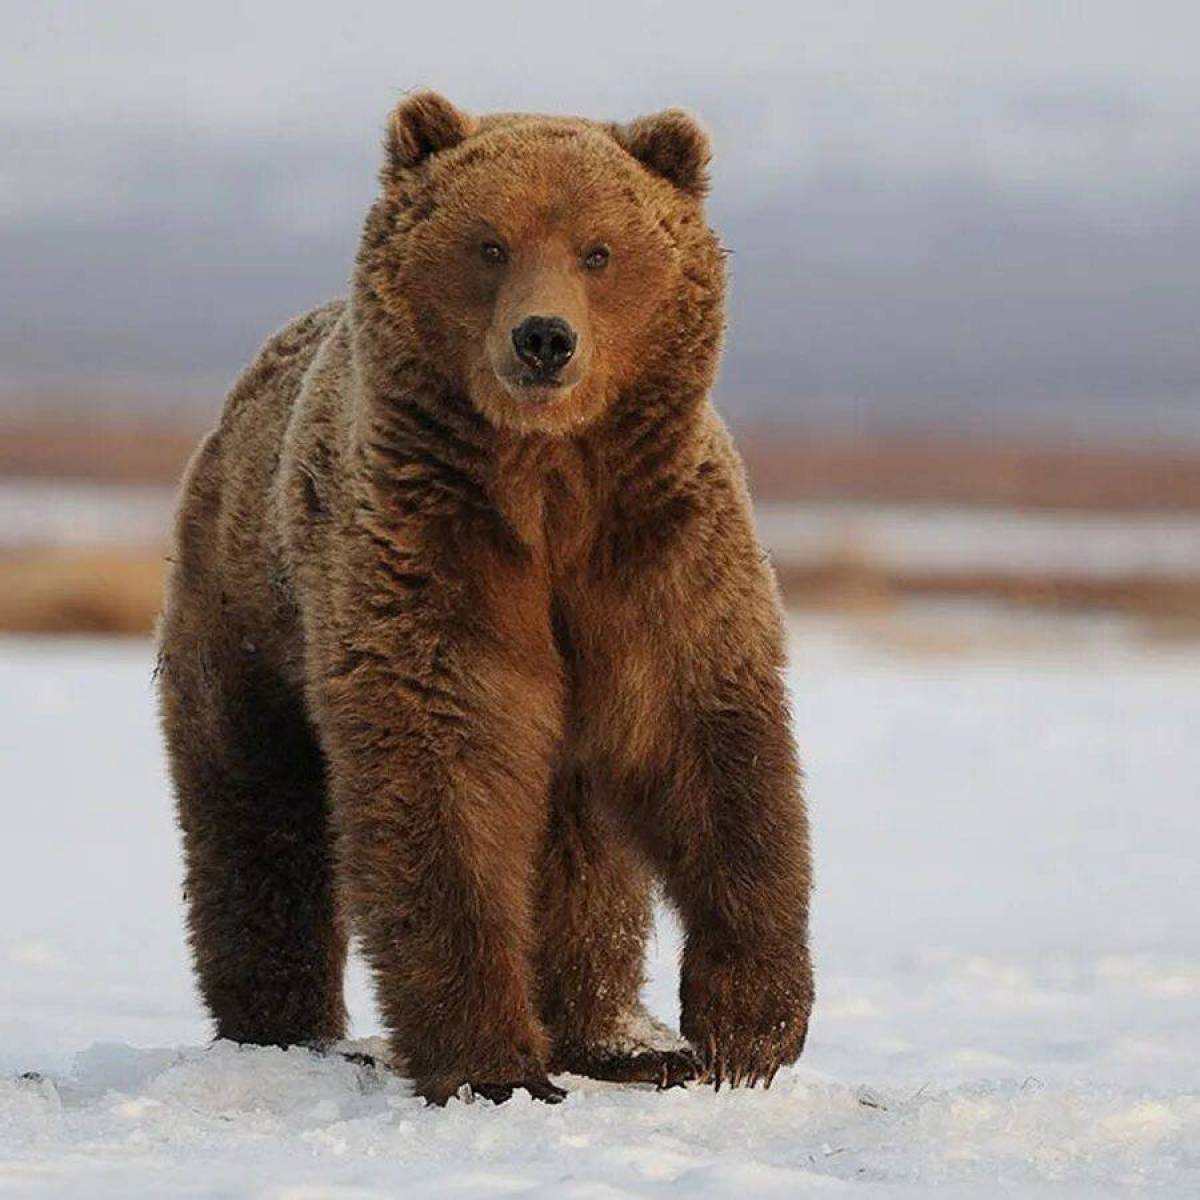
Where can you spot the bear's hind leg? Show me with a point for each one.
(595, 915)
(268, 946)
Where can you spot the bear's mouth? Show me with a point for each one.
(536, 388)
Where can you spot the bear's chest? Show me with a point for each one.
(546, 495)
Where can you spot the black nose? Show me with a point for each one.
(544, 343)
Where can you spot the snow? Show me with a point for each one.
(1008, 854)
(914, 537)
(936, 537)
(57, 512)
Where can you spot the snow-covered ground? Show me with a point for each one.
(1008, 847)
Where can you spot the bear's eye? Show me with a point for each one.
(596, 258)
(493, 252)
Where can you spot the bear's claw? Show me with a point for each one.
(745, 1015)
(539, 1089)
(661, 1067)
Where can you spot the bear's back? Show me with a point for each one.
(267, 388)
(226, 530)
(245, 450)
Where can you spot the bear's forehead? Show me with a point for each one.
(546, 151)
(519, 130)
(521, 173)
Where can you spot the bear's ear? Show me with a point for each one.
(671, 144)
(421, 125)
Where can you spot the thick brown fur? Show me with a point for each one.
(461, 667)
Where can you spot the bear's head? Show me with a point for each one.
(543, 267)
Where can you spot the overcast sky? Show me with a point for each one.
(941, 211)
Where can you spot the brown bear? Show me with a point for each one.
(468, 639)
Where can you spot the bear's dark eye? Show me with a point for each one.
(596, 258)
(493, 252)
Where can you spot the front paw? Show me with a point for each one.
(493, 1069)
(663, 1068)
(636, 1048)
(746, 1015)
(441, 1090)
(540, 1089)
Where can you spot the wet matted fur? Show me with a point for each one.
(462, 665)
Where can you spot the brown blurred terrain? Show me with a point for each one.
(100, 451)
(783, 465)
(960, 470)
(70, 590)
(115, 588)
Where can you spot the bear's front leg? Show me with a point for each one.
(731, 837)
(736, 861)
(438, 735)
(594, 916)
(713, 794)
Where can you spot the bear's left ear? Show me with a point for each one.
(671, 144)
(421, 125)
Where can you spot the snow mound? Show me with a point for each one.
(162, 1121)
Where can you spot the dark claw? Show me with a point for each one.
(679, 1066)
(545, 1091)
(662, 1068)
(497, 1093)
(359, 1059)
(539, 1089)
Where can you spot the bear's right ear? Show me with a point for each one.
(671, 144)
(421, 125)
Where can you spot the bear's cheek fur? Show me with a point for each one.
(629, 308)
(451, 302)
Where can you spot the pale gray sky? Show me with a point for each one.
(935, 202)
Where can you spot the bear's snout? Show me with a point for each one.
(544, 344)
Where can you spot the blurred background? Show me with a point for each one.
(962, 358)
